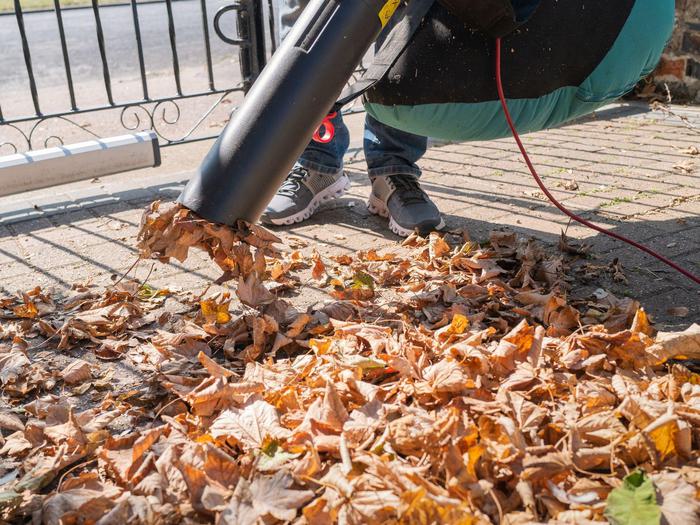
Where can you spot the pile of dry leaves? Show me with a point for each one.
(446, 382)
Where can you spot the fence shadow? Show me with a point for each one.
(93, 233)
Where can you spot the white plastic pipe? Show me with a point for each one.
(85, 160)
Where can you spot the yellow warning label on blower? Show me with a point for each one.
(388, 10)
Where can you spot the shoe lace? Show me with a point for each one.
(408, 190)
(293, 182)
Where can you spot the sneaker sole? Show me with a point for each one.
(334, 191)
(377, 207)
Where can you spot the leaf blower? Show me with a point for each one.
(284, 107)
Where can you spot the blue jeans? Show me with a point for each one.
(388, 151)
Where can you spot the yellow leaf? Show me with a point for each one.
(471, 436)
(146, 292)
(474, 454)
(459, 324)
(362, 279)
(26, 311)
(278, 270)
(641, 324)
(664, 437)
(215, 312)
(321, 346)
(423, 509)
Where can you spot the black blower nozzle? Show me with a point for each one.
(286, 104)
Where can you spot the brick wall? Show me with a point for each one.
(680, 66)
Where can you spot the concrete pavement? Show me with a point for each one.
(121, 51)
(631, 170)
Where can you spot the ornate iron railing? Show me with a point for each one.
(177, 116)
(162, 112)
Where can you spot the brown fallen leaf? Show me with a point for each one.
(363, 423)
(448, 376)
(690, 150)
(16, 444)
(319, 269)
(670, 345)
(10, 421)
(77, 372)
(271, 497)
(168, 230)
(451, 382)
(249, 426)
(79, 504)
(437, 246)
(678, 311)
(678, 499)
(27, 310)
(252, 292)
(69, 433)
(215, 369)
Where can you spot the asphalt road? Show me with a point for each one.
(117, 23)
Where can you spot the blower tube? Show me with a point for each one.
(286, 104)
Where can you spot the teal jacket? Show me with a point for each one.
(634, 55)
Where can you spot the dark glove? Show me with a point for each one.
(496, 18)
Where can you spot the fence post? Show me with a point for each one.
(258, 37)
(251, 28)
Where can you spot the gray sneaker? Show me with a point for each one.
(407, 206)
(301, 194)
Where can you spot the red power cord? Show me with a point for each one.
(538, 180)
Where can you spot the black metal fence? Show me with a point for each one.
(51, 115)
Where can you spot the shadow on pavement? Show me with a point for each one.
(95, 234)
